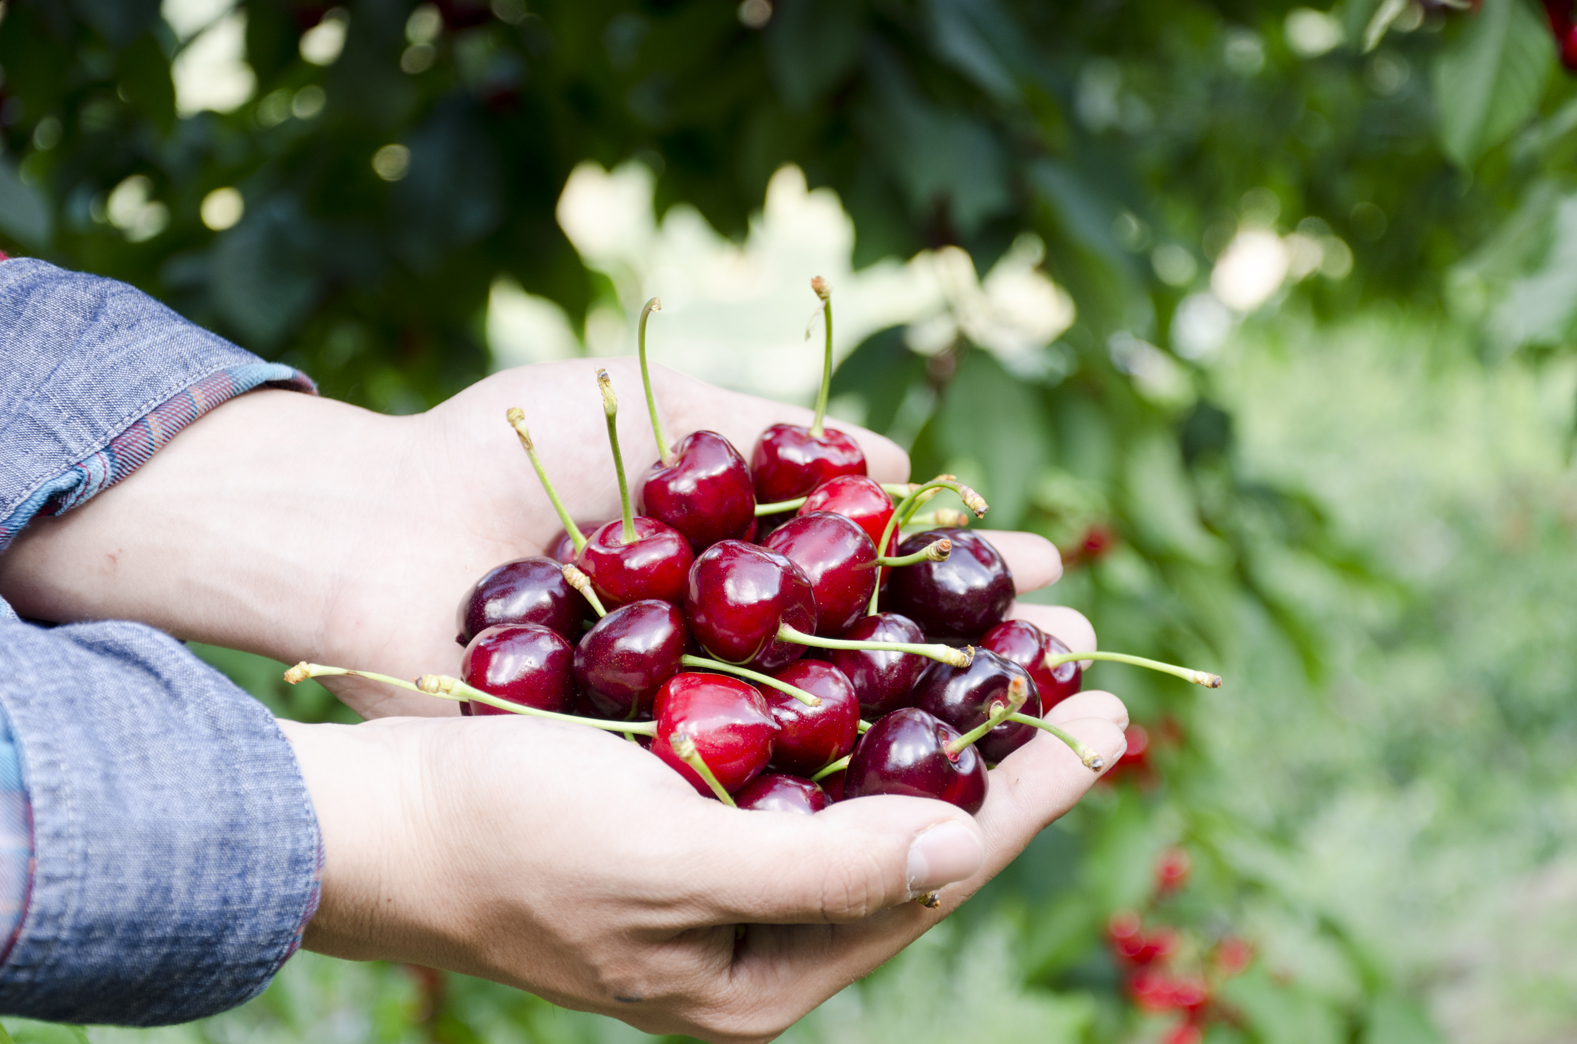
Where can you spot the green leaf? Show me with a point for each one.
(27, 1031)
(1488, 83)
(23, 215)
(992, 419)
(1539, 308)
(880, 370)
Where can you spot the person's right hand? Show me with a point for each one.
(574, 864)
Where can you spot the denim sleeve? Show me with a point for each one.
(175, 848)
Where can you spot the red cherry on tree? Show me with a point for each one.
(771, 792)
(724, 721)
(912, 753)
(1028, 646)
(628, 655)
(526, 664)
(810, 737)
(527, 590)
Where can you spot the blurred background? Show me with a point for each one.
(1264, 313)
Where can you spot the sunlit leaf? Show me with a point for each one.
(1489, 81)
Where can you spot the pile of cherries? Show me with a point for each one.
(767, 629)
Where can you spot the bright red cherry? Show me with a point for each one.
(962, 697)
(526, 664)
(739, 595)
(706, 492)
(562, 548)
(909, 752)
(962, 596)
(527, 590)
(856, 497)
(883, 680)
(811, 737)
(725, 718)
(1028, 646)
(840, 561)
(627, 656)
(653, 565)
(771, 792)
(789, 460)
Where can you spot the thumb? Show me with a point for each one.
(845, 863)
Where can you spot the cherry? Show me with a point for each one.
(859, 498)
(777, 793)
(790, 460)
(628, 655)
(725, 719)
(1171, 870)
(832, 785)
(882, 680)
(738, 597)
(963, 697)
(963, 596)
(837, 557)
(526, 664)
(527, 590)
(1028, 646)
(810, 737)
(1134, 945)
(913, 753)
(563, 549)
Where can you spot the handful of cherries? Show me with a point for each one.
(686, 627)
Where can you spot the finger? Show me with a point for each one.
(1069, 626)
(842, 864)
(1032, 559)
(1095, 703)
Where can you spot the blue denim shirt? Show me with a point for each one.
(159, 854)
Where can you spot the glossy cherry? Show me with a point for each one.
(859, 498)
(789, 461)
(962, 697)
(840, 561)
(961, 597)
(1028, 646)
(653, 565)
(811, 737)
(772, 792)
(832, 785)
(706, 492)
(882, 680)
(738, 596)
(527, 590)
(727, 720)
(526, 664)
(627, 656)
(562, 548)
(907, 753)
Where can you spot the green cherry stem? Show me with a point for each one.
(863, 727)
(457, 691)
(781, 506)
(830, 769)
(582, 583)
(795, 691)
(944, 653)
(517, 420)
(1091, 759)
(823, 290)
(654, 305)
(1205, 678)
(906, 507)
(610, 409)
(684, 746)
(936, 551)
(1001, 710)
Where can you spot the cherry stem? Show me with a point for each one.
(582, 583)
(945, 653)
(950, 517)
(781, 506)
(831, 769)
(823, 290)
(1091, 759)
(1205, 678)
(517, 420)
(610, 409)
(863, 727)
(654, 305)
(972, 500)
(684, 746)
(457, 691)
(1001, 710)
(808, 699)
(936, 551)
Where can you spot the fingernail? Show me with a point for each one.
(943, 854)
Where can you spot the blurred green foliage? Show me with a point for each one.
(1358, 507)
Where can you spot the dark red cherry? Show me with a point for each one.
(738, 596)
(562, 547)
(1028, 646)
(811, 737)
(707, 493)
(772, 792)
(728, 720)
(526, 664)
(653, 565)
(627, 655)
(527, 590)
(859, 498)
(906, 753)
(882, 680)
(840, 561)
(962, 697)
(961, 597)
(789, 461)
(832, 786)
